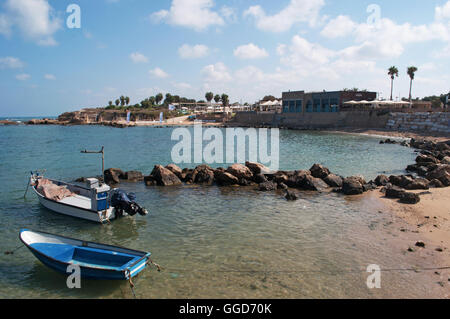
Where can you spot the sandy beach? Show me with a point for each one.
(429, 219)
(393, 134)
(427, 222)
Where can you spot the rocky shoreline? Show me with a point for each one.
(432, 170)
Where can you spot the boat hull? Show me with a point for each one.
(93, 272)
(69, 210)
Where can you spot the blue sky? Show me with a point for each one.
(245, 48)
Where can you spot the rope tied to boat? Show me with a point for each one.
(158, 267)
(11, 252)
(130, 281)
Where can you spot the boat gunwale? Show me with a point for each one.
(126, 271)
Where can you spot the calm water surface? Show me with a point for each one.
(213, 242)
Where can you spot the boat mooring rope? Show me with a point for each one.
(310, 271)
(11, 252)
(158, 267)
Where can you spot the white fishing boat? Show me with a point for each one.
(93, 201)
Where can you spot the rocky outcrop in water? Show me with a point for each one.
(431, 170)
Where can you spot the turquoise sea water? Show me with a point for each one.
(213, 242)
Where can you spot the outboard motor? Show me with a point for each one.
(125, 203)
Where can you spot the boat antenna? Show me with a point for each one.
(102, 151)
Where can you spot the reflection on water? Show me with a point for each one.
(213, 242)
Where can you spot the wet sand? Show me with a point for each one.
(427, 222)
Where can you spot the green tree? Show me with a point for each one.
(411, 72)
(217, 98)
(117, 102)
(158, 98)
(152, 100)
(127, 100)
(392, 72)
(169, 99)
(110, 103)
(224, 99)
(209, 96)
(122, 100)
(269, 98)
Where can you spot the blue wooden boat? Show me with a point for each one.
(96, 261)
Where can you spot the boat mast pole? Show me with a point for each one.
(102, 151)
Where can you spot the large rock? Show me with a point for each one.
(240, 171)
(436, 183)
(394, 192)
(426, 159)
(311, 183)
(319, 171)
(112, 175)
(175, 169)
(353, 185)
(259, 178)
(225, 179)
(381, 180)
(333, 180)
(186, 175)
(401, 181)
(164, 177)
(295, 179)
(267, 186)
(442, 173)
(418, 183)
(203, 174)
(409, 198)
(132, 176)
(257, 168)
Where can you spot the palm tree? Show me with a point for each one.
(209, 96)
(411, 72)
(217, 98)
(122, 100)
(393, 72)
(110, 103)
(152, 100)
(127, 100)
(169, 99)
(158, 98)
(117, 102)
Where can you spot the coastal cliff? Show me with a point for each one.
(103, 116)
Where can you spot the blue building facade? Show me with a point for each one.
(321, 102)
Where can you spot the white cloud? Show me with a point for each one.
(442, 13)
(137, 57)
(158, 73)
(23, 77)
(187, 51)
(229, 13)
(303, 53)
(50, 77)
(386, 39)
(193, 14)
(298, 11)
(10, 62)
(339, 27)
(216, 73)
(34, 18)
(250, 51)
